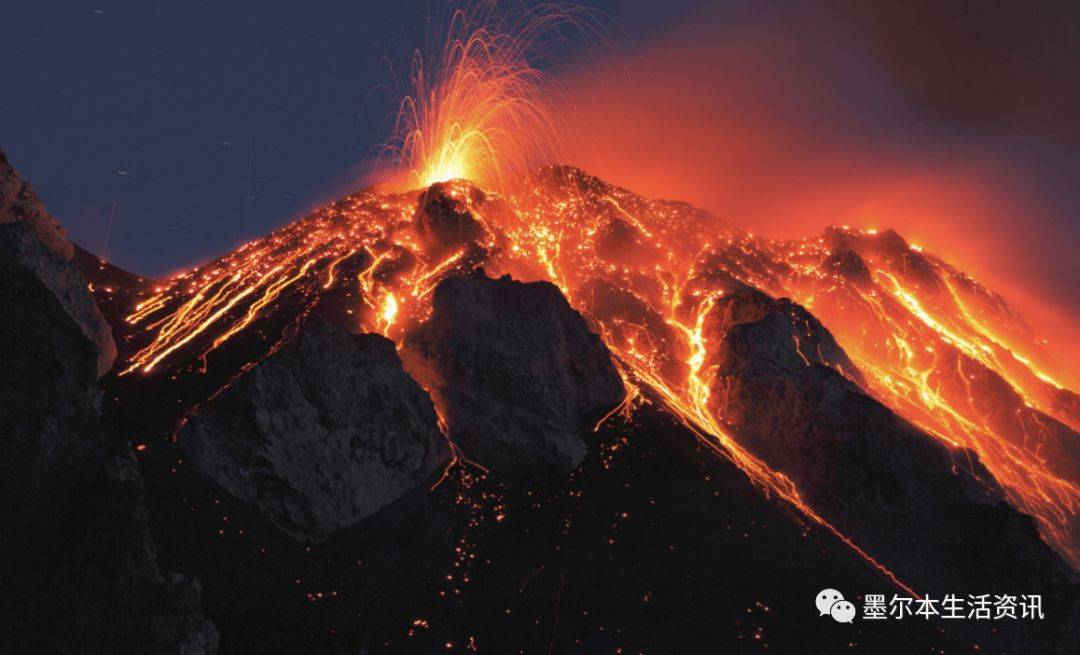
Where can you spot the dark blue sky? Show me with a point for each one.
(208, 123)
(205, 122)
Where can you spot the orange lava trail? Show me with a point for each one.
(933, 345)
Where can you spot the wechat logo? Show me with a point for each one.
(830, 602)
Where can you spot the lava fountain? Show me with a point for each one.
(477, 104)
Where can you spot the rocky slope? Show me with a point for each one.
(643, 539)
(20, 205)
(78, 567)
(787, 388)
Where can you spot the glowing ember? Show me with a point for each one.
(476, 107)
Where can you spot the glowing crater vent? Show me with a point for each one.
(478, 103)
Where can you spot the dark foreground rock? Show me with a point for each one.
(918, 507)
(20, 204)
(78, 569)
(321, 434)
(518, 371)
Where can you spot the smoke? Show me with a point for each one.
(783, 121)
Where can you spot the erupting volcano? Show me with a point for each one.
(862, 404)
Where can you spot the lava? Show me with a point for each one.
(931, 342)
(474, 105)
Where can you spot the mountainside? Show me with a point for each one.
(566, 418)
(78, 567)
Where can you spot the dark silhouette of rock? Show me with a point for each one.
(787, 338)
(918, 507)
(321, 434)
(443, 219)
(848, 265)
(60, 278)
(20, 204)
(517, 370)
(78, 569)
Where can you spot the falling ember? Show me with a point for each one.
(934, 345)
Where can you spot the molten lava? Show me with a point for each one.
(931, 342)
(476, 107)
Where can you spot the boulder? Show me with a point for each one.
(443, 219)
(319, 435)
(517, 371)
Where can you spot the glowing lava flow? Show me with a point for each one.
(362, 246)
(907, 325)
(691, 405)
(646, 273)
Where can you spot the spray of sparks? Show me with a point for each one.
(476, 105)
(932, 343)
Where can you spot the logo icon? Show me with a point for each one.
(830, 602)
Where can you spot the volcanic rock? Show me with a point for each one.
(785, 337)
(19, 205)
(848, 265)
(78, 569)
(621, 242)
(793, 397)
(319, 435)
(518, 373)
(443, 219)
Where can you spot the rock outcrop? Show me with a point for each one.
(443, 220)
(319, 435)
(792, 396)
(19, 205)
(78, 569)
(517, 370)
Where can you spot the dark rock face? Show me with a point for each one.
(44, 248)
(517, 370)
(19, 204)
(621, 242)
(78, 570)
(785, 340)
(848, 265)
(914, 504)
(443, 220)
(321, 434)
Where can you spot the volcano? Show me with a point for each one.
(559, 417)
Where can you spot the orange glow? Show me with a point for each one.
(476, 107)
(935, 345)
(388, 313)
(920, 347)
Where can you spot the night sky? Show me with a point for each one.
(197, 125)
(206, 123)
